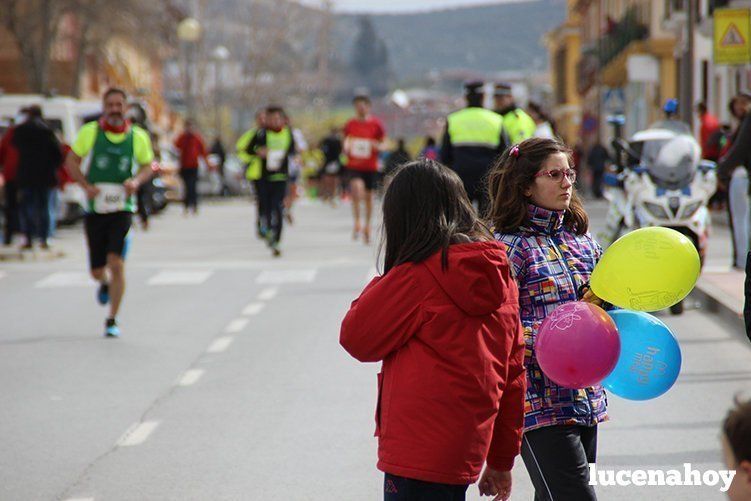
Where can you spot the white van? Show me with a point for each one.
(65, 115)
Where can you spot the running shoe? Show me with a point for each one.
(103, 294)
(111, 329)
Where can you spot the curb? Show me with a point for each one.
(716, 302)
(31, 256)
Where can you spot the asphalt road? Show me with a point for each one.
(229, 382)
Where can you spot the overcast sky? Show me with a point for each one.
(386, 6)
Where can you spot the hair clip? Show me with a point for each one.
(515, 151)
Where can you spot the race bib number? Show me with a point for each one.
(111, 198)
(275, 159)
(361, 148)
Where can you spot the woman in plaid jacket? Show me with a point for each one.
(538, 216)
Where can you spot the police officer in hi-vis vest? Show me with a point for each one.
(474, 137)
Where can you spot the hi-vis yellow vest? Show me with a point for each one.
(519, 125)
(475, 127)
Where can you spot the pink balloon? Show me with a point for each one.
(577, 345)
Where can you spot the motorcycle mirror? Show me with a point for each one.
(707, 165)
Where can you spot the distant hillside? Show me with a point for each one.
(489, 38)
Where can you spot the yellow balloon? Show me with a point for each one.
(648, 269)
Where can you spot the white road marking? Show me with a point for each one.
(220, 344)
(286, 277)
(253, 309)
(137, 434)
(66, 279)
(180, 277)
(236, 325)
(265, 294)
(80, 499)
(191, 377)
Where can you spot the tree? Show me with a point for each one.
(370, 59)
(34, 25)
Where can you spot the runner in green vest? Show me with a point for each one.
(119, 161)
(474, 137)
(252, 163)
(273, 144)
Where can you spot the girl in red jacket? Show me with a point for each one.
(444, 320)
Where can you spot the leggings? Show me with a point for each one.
(272, 204)
(557, 459)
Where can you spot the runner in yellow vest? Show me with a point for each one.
(274, 145)
(519, 125)
(252, 163)
(473, 138)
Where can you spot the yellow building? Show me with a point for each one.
(611, 56)
(564, 46)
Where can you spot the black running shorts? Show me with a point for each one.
(369, 178)
(106, 234)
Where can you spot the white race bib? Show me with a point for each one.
(111, 198)
(361, 148)
(275, 159)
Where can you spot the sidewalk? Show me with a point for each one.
(720, 287)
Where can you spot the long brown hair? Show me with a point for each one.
(513, 173)
(425, 210)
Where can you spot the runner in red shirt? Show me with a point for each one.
(363, 138)
(191, 147)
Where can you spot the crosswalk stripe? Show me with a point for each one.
(65, 279)
(180, 277)
(276, 277)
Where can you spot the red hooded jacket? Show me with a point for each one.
(451, 390)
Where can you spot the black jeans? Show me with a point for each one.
(12, 216)
(35, 210)
(557, 460)
(143, 197)
(190, 178)
(397, 488)
(272, 205)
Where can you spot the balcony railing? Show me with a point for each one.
(622, 33)
(629, 29)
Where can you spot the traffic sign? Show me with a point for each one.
(732, 28)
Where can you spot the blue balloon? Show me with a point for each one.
(650, 357)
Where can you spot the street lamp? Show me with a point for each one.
(189, 32)
(219, 55)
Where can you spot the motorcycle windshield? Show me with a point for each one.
(672, 163)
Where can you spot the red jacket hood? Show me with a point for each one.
(473, 279)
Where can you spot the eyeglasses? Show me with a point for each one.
(556, 175)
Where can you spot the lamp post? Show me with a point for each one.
(219, 55)
(189, 32)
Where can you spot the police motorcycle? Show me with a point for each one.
(660, 180)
